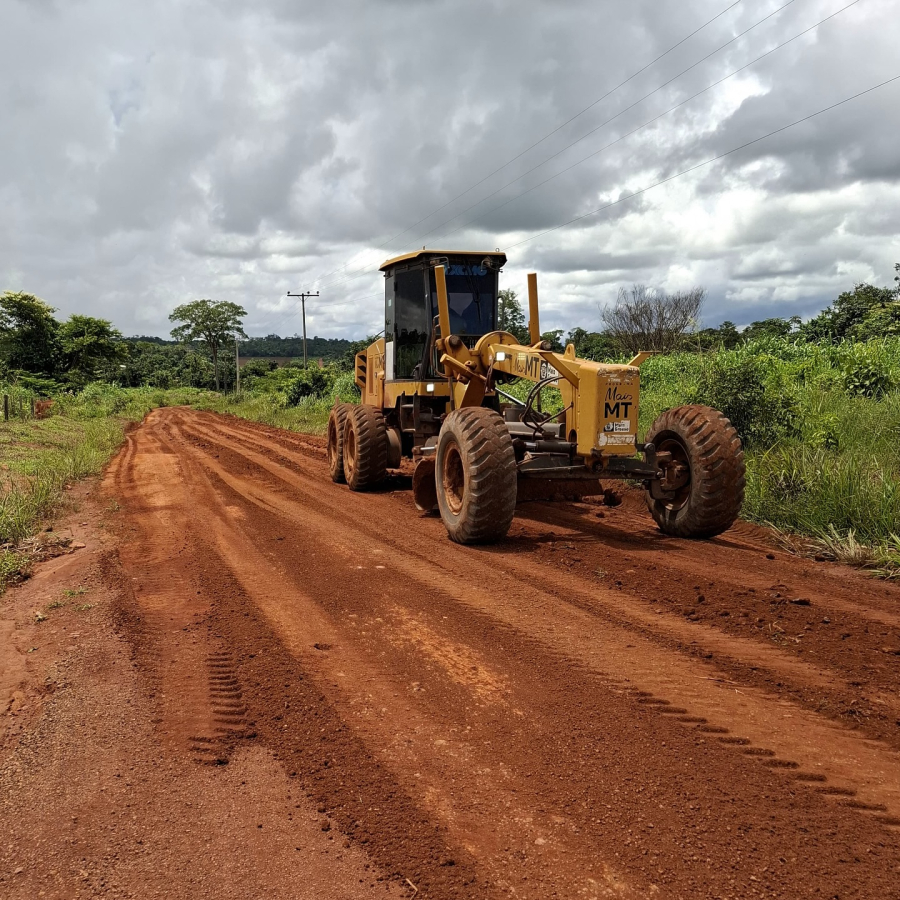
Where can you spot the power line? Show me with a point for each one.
(644, 125)
(690, 169)
(707, 162)
(549, 134)
(362, 272)
(578, 140)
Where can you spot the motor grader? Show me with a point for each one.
(432, 391)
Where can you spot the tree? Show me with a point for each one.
(841, 320)
(29, 335)
(648, 319)
(774, 327)
(879, 322)
(510, 316)
(554, 339)
(87, 343)
(729, 335)
(594, 345)
(210, 321)
(725, 337)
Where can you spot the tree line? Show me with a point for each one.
(643, 318)
(44, 354)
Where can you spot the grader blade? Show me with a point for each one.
(424, 487)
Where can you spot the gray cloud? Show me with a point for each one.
(158, 152)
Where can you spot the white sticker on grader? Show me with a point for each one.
(605, 440)
(622, 427)
(548, 371)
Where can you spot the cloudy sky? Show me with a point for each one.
(157, 152)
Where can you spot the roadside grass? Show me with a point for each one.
(308, 414)
(39, 458)
(821, 431)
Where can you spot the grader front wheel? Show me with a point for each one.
(475, 476)
(707, 487)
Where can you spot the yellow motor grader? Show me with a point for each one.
(432, 391)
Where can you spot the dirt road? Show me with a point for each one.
(588, 709)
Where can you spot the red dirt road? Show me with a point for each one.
(588, 709)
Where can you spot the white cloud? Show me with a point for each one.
(159, 152)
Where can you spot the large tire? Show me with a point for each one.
(710, 499)
(364, 448)
(334, 447)
(475, 476)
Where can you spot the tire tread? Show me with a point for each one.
(718, 472)
(487, 450)
(371, 447)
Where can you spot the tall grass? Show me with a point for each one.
(32, 485)
(308, 414)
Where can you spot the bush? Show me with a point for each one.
(345, 389)
(311, 382)
(736, 383)
(868, 369)
(257, 367)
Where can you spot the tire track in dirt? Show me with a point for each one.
(551, 720)
(776, 763)
(656, 674)
(279, 692)
(873, 681)
(196, 692)
(746, 659)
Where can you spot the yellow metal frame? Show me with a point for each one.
(600, 401)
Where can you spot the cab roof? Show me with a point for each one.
(419, 254)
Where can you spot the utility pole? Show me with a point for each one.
(303, 297)
(237, 368)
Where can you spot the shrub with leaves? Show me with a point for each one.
(311, 382)
(737, 383)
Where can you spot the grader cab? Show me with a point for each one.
(432, 391)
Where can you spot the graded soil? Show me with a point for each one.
(261, 684)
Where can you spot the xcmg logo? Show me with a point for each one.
(467, 270)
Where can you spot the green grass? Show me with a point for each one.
(39, 458)
(309, 415)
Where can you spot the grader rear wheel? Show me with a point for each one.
(364, 448)
(334, 447)
(708, 493)
(475, 476)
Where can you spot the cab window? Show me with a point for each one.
(412, 321)
(471, 296)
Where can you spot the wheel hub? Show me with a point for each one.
(453, 479)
